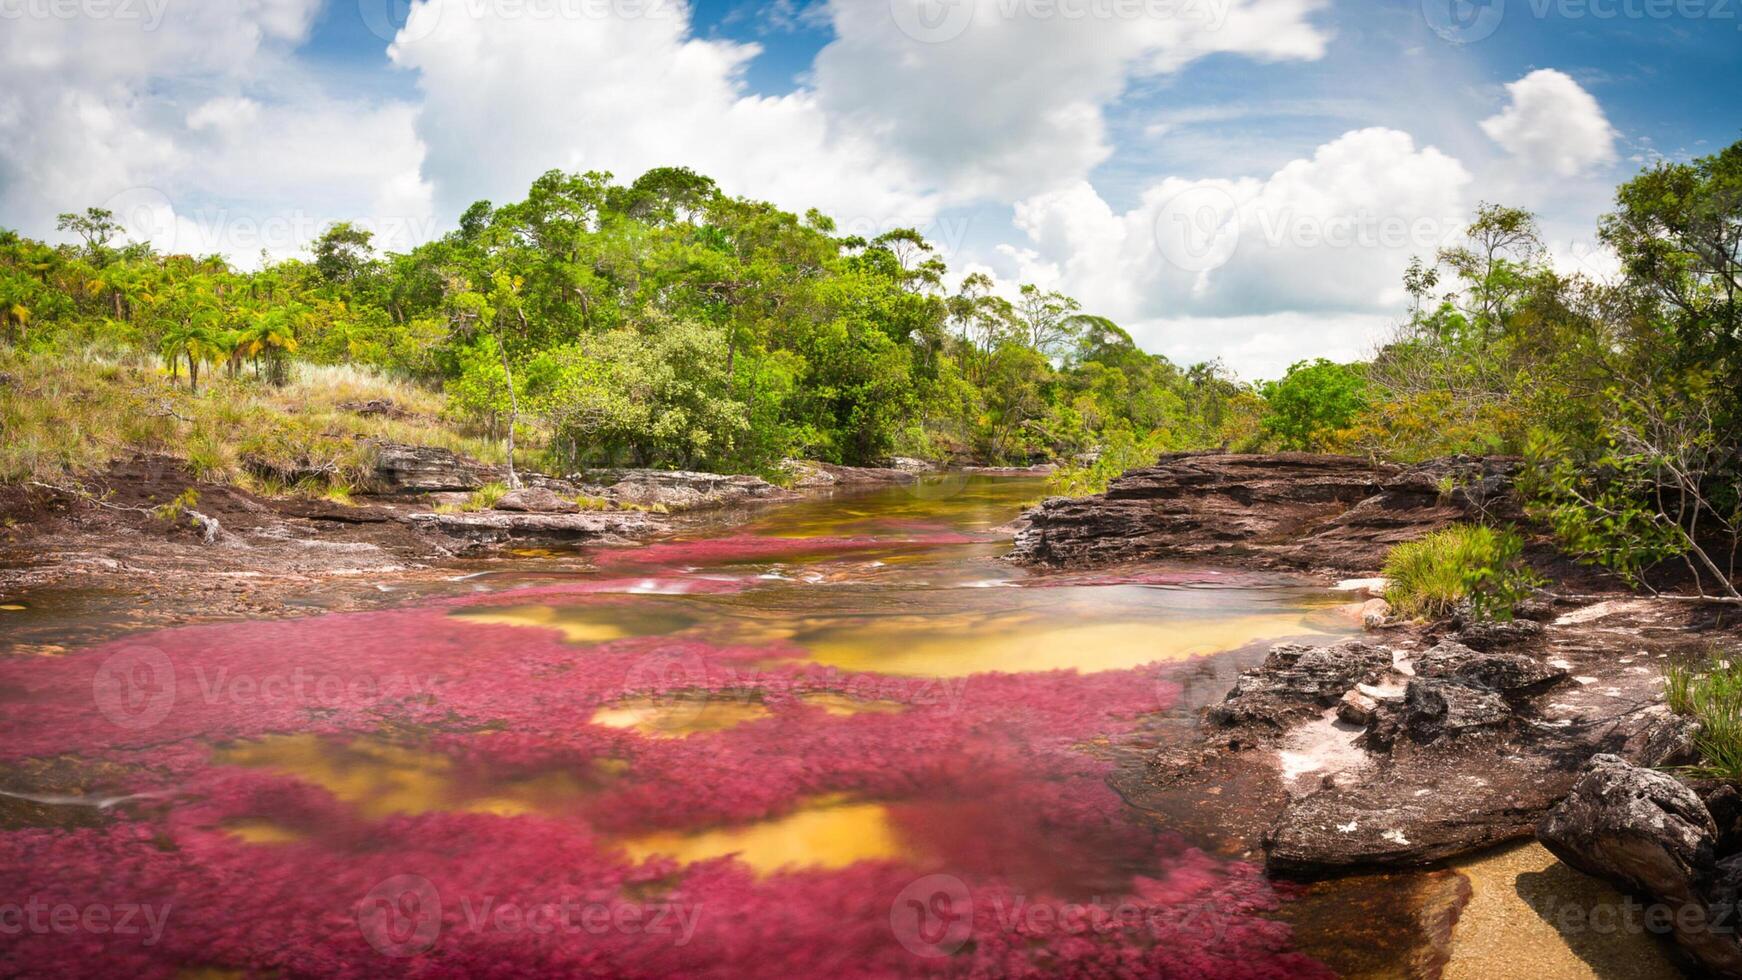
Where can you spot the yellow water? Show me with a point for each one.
(826, 833)
(677, 717)
(382, 778)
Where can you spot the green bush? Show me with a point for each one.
(1432, 576)
(1316, 400)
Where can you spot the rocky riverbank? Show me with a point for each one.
(121, 540)
(1293, 511)
(1422, 745)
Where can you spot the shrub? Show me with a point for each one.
(1432, 576)
(485, 497)
(1316, 400)
(1712, 696)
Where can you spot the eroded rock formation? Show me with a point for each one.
(1283, 510)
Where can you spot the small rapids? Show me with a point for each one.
(842, 740)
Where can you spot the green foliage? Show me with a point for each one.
(485, 497)
(1710, 694)
(1432, 576)
(662, 323)
(1313, 402)
(1122, 452)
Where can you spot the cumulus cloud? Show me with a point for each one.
(1006, 98)
(1553, 125)
(1311, 253)
(893, 124)
(508, 95)
(195, 125)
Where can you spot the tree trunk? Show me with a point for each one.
(513, 414)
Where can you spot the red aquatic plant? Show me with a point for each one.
(1015, 856)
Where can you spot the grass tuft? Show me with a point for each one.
(1432, 576)
(1710, 694)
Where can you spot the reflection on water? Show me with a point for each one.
(382, 779)
(824, 833)
(677, 716)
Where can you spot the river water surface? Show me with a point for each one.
(840, 739)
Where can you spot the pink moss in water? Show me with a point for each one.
(984, 782)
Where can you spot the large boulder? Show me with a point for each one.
(1650, 835)
(427, 469)
(1285, 510)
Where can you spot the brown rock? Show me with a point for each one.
(1285, 510)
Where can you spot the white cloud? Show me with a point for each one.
(1553, 125)
(1263, 347)
(887, 131)
(1309, 256)
(1007, 98)
(196, 125)
(507, 97)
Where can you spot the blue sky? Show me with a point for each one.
(1239, 179)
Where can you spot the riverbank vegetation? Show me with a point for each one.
(664, 323)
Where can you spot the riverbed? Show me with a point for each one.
(841, 738)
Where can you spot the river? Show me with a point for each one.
(842, 738)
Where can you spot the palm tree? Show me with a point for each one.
(272, 334)
(195, 341)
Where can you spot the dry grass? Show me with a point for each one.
(72, 416)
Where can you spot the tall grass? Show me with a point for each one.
(1432, 576)
(1711, 695)
(69, 415)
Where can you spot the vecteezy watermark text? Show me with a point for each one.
(37, 917)
(402, 916)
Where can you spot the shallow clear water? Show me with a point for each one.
(841, 738)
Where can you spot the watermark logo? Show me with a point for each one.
(1463, 21)
(145, 214)
(934, 916)
(391, 20)
(135, 687)
(674, 680)
(1198, 229)
(932, 21)
(401, 916)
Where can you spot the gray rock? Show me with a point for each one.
(679, 490)
(1297, 681)
(1507, 673)
(495, 526)
(1356, 708)
(1493, 636)
(813, 476)
(1669, 741)
(536, 500)
(1435, 709)
(1434, 806)
(426, 469)
(1650, 835)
